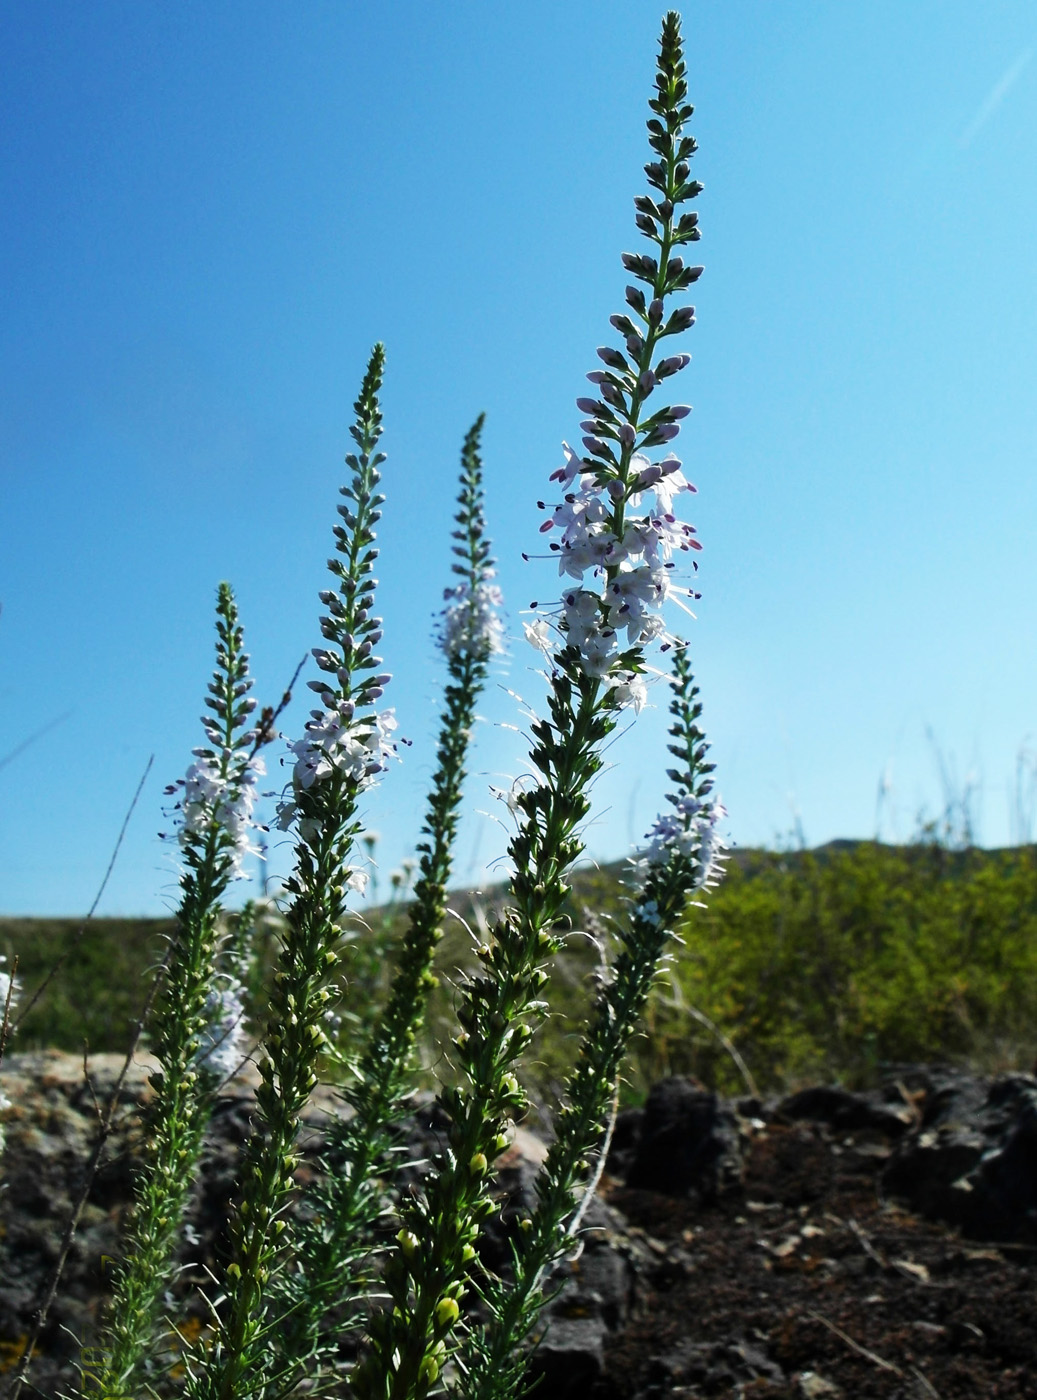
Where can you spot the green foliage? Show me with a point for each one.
(833, 963)
(100, 988)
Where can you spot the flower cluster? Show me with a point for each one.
(622, 560)
(221, 790)
(335, 740)
(220, 1047)
(689, 830)
(471, 619)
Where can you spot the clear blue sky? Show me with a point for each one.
(210, 212)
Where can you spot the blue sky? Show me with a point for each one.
(209, 214)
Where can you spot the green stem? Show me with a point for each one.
(425, 1276)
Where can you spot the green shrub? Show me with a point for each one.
(100, 989)
(839, 962)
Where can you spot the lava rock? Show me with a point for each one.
(972, 1161)
(688, 1143)
(883, 1111)
(569, 1359)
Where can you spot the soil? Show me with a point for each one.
(777, 1264)
(822, 1287)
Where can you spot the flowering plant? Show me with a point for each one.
(299, 1280)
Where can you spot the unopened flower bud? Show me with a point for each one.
(408, 1242)
(447, 1312)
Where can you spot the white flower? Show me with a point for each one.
(538, 635)
(634, 595)
(571, 468)
(599, 651)
(629, 689)
(356, 880)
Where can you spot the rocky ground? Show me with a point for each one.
(827, 1244)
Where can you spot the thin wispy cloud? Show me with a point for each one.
(994, 98)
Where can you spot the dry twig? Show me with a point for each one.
(856, 1346)
(97, 899)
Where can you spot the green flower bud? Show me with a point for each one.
(408, 1242)
(447, 1312)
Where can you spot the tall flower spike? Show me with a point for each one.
(196, 1046)
(345, 748)
(346, 1211)
(471, 624)
(621, 563)
(616, 521)
(492, 1366)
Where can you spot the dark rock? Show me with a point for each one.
(972, 1161)
(569, 1359)
(689, 1143)
(882, 1111)
(600, 1280)
(626, 1139)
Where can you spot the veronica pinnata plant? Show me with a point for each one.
(618, 548)
(682, 858)
(197, 1022)
(346, 1209)
(345, 747)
